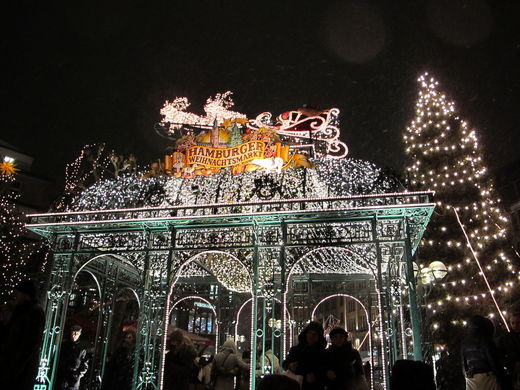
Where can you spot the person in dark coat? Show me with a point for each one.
(19, 356)
(72, 365)
(119, 371)
(277, 382)
(179, 362)
(343, 364)
(509, 346)
(6, 313)
(449, 372)
(480, 357)
(411, 375)
(307, 358)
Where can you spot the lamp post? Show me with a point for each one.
(434, 272)
(429, 275)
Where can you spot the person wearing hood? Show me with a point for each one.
(179, 362)
(267, 358)
(343, 364)
(226, 366)
(480, 357)
(19, 355)
(307, 357)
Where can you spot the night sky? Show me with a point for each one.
(86, 72)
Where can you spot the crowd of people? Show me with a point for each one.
(309, 364)
(312, 365)
(481, 364)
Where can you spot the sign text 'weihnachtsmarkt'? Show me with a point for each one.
(225, 157)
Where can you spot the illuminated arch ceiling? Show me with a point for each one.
(228, 270)
(356, 259)
(233, 275)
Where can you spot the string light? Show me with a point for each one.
(482, 273)
(15, 248)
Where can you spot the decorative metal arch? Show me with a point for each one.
(369, 333)
(116, 256)
(346, 296)
(203, 300)
(287, 313)
(94, 277)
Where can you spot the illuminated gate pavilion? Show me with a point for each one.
(258, 220)
(261, 252)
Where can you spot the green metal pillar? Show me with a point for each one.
(415, 318)
(254, 309)
(152, 320)
(106, 311)
(381, 300)
(60, 284)
(283, 296)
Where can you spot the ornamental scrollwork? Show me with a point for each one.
(113, 241)
(219, 237)
(330, 233)
(390, 229)
(269, 235)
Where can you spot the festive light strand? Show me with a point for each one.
(481, 270)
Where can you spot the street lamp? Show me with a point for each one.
(438, 270)
(434, 272)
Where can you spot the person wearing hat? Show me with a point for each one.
(72, 365)
(343, 364)
(20, 352)
(307, 357)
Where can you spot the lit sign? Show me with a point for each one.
(203, 305)
(227, 140)
(218, 158)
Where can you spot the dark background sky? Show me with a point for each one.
(100, 71)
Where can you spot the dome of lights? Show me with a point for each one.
(329, 177)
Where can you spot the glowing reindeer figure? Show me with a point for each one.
(216, 109)
(175, 113)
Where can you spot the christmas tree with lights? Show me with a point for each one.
(14, 248)
(465, 266)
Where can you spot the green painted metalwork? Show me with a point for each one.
(274, 248)
(414, 307)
